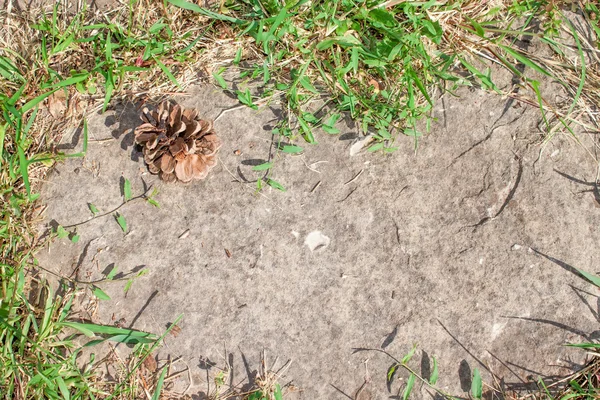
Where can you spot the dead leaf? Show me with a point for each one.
(375, 84)
(360, 143)
(175, 331)
(150, 363)
(57, 103)
(227, 253)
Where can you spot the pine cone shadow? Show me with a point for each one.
(127, 118)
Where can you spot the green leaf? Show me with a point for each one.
(220, 80)
(305, 82)
(476, 385)
(330, 129)
(108, 89)
(410, 354)
(258, 395)
(246, 98)
(277, 392)
(409, 385)
(592, 278)
(383, 17)
(121, 221)
(62, 386)
(111, 274)
(478, 29)
(155, 203)
(99, 293)
(157, 27)
(308, 136)
(333, 118)
(310, 118)
(75, 238)
(159, 383)
(93, 209)
(61, 232)
(375, 147)
(266, 73)
(391, 371)
(128, 285)
(434, 374)
(262, 167)
(2, 136)
(127, 190)
(420, 85)
(238, 56)
(345, 41)
(275, 184)
(292, 149)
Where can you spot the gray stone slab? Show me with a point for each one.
(425, 245)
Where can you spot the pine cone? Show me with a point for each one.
(176, 143)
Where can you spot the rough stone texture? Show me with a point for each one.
(464, 248)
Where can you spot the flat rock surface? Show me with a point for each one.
(465, 248)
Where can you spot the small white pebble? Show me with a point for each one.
(554, 153)
(316, 241)
(516, 247)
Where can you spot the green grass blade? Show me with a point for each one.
(109, 86)
(409, 386)
(167, 72)
(34, 102)
(194, 7)
(2, 136)
(159, 384)
(87, 328)
(23, 164)
(62, 386)
(525, 61)
(583, 65)
(592, 278)
(85, 142)
(71, 81)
